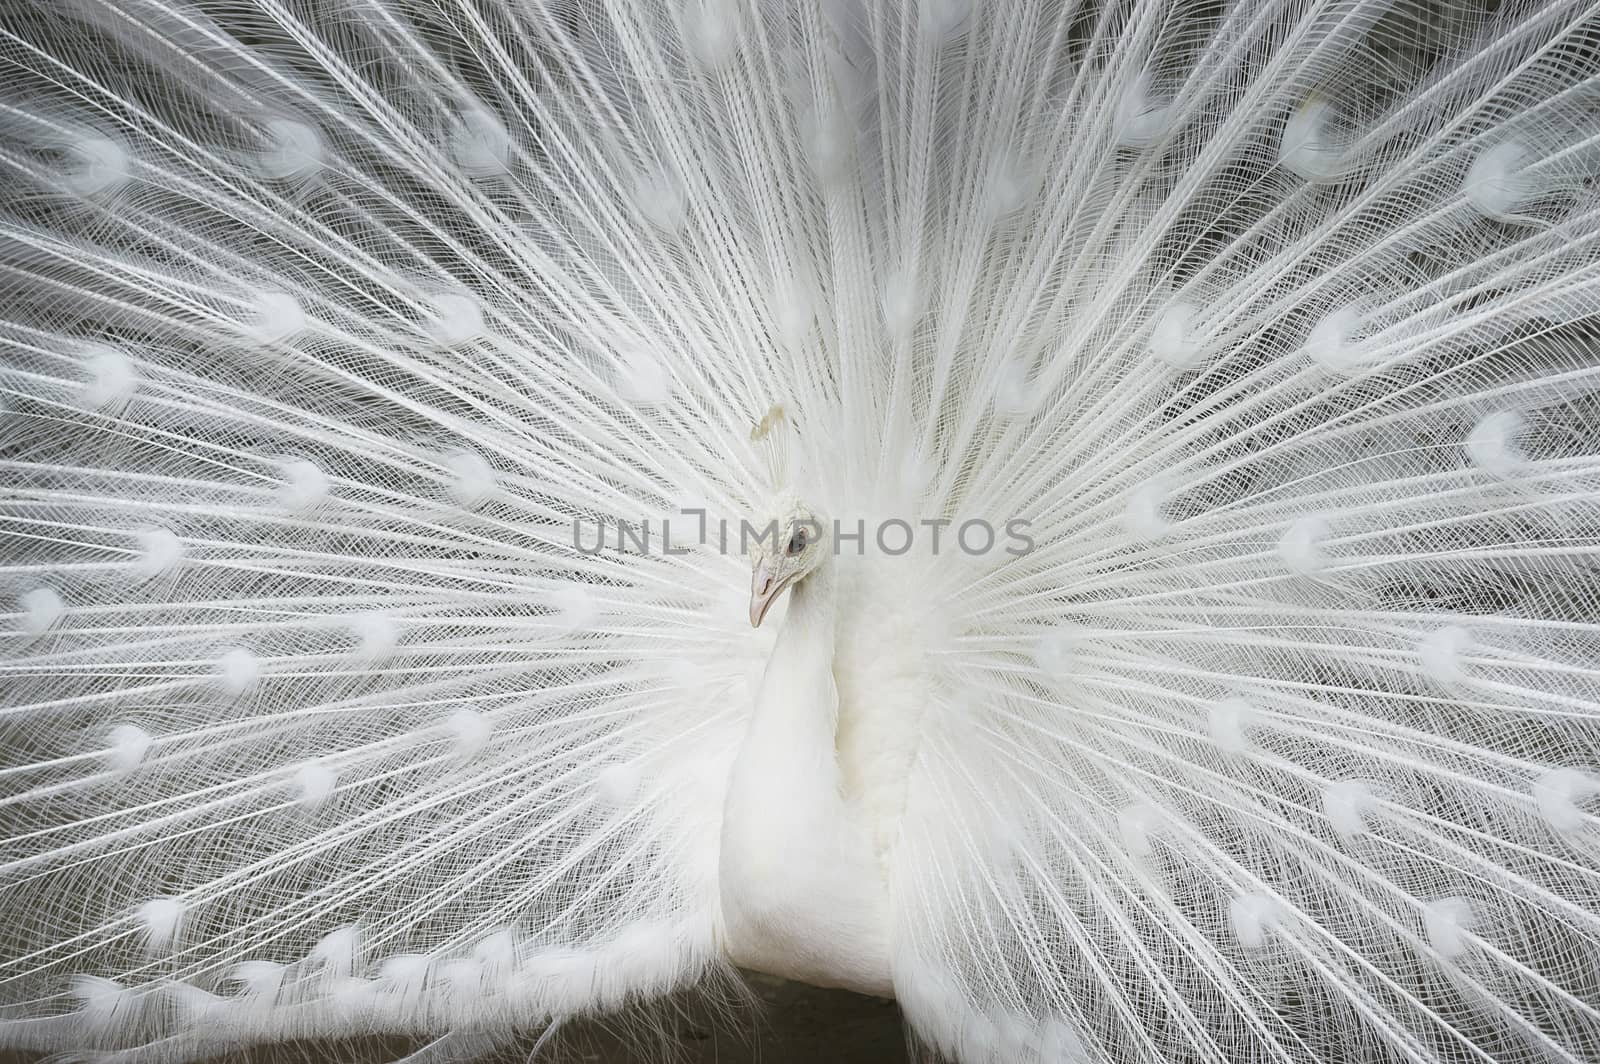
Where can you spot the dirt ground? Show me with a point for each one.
(789, 1023)
(792, 1024)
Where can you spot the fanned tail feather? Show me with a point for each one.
(335, 334)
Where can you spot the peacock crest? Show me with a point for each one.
(770, 421)
(777, 443)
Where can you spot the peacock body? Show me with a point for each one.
(387, 384)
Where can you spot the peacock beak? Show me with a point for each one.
(765, 588)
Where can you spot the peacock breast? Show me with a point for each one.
(882, 670)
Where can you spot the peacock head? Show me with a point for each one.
(787, 544)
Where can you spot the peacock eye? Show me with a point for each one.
(797, 542)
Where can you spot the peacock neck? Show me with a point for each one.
(811, 608)
(802, 893)
(798, 701)
(787, 767)
(786, 775)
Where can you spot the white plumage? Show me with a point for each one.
(377, 382)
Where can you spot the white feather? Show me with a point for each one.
(472, 478)
(161, 920)
(454, 318)
(1347, 805)
(376, 634)
(469, 731)
(260, 979)
(314, 784)
(1252, 917)
(291, 151)
(274, 317)
(111, 378)
(1560, 794)
(42, 609)
(302, 486)
(129, 745)
(104, 1005)
(160, 552)
(1448, 924)
(237, 671)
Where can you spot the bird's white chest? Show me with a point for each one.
(884, 685)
